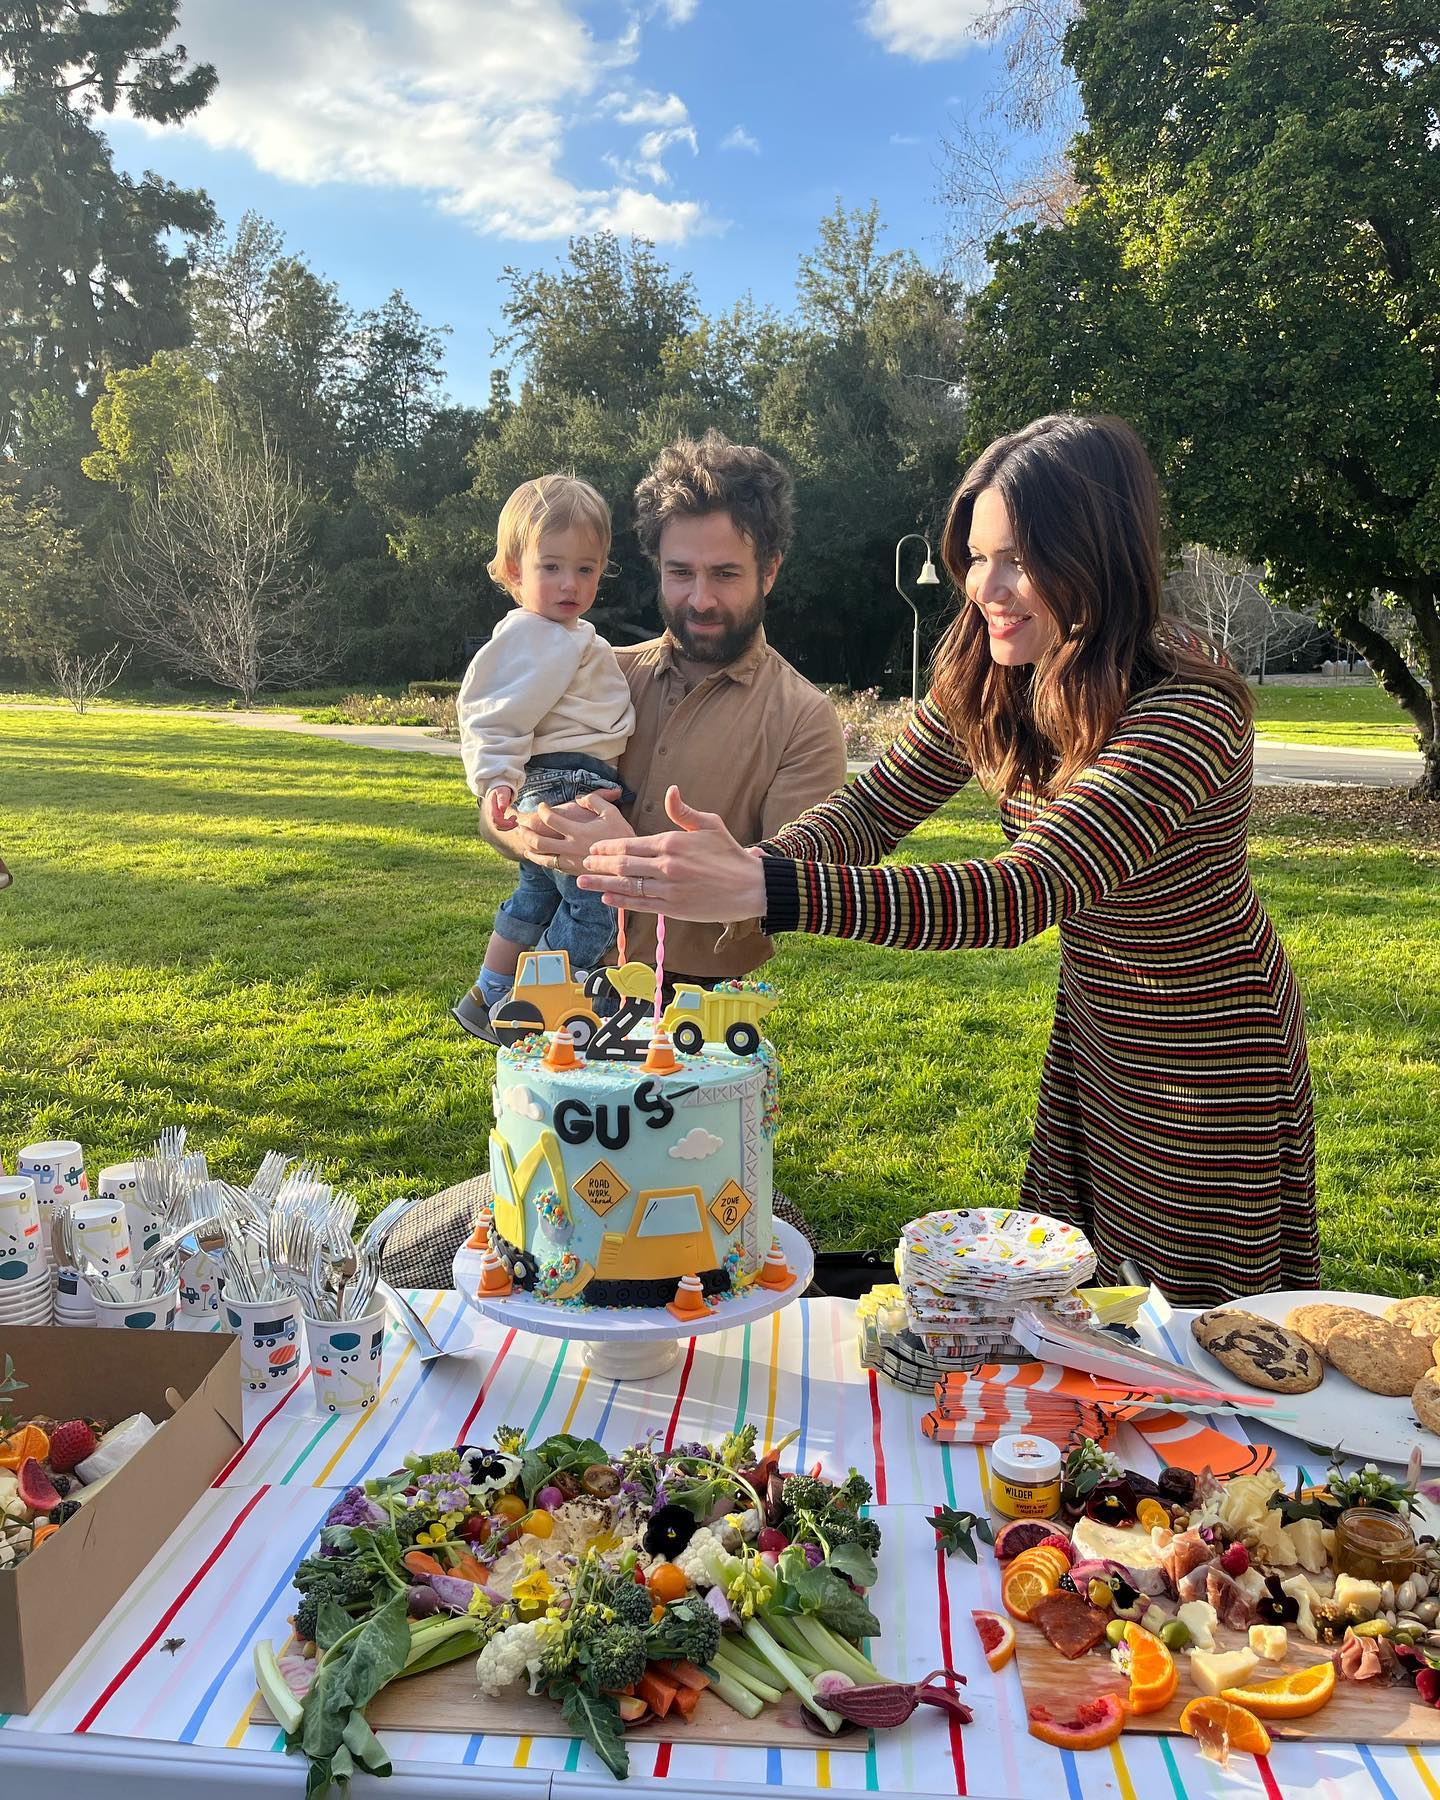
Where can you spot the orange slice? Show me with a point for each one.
(997, 1638)
(1022, 1590)
(1049, 1562)
(1220, 1726)
(28, 1441)
(1289, 1696)
(1153, 1675)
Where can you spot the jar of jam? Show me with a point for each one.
(1374, 1545)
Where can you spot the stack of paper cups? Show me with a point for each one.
(121, 1181)
(100, 1234)
(58, 1171)
(27, 1287)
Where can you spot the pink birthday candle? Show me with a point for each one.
(659, 963)
(620, 934)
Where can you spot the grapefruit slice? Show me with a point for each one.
(1289, 1696)
(1022, 1534)
(997, 1638)
(1095, 1723)
(1153, 1675)
(1220, 1726)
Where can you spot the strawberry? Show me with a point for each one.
(71, 1443)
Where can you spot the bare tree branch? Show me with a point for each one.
(213, 576)
(82, 679)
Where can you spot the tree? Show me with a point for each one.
(400, 361)
(90, 277)
(82, 679)
(213, 575)
(1224, 600)
(1253, 276)
(600, 327)
(845, 277)
(140, 417)
(47, 583)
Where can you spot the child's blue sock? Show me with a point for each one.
(494, 988)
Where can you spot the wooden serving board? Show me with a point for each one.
(1359, 1712)
(447, 1699)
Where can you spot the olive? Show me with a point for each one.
(1115, 1632)
(1175, 1635)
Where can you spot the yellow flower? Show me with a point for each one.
(533, 1590)
(432, 1534)
(479, 1604)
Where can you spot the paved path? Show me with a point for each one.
(1275, 763)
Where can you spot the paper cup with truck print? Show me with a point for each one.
(58, 1171)
(22, 1246)
(270, 1341)
(345, 1360)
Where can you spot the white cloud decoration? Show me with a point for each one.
(696, 1145)
(521, 1100)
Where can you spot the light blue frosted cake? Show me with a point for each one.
(611, 1183)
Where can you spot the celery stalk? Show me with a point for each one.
(738, 1673)
(789, 1672)
(748, 1661)
(737, 1697)
(841, 1653)
(799, 1646)
(273, 1685)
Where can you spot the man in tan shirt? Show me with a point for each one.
(718, 712)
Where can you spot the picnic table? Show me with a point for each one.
(159, 1702)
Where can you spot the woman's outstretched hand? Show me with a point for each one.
(697, 872)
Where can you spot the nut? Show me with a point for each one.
(1388, 1615)
(1428, 1611)
(1387, 1595)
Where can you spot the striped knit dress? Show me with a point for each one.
(1174, 1123)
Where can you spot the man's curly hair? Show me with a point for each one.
(693, 477)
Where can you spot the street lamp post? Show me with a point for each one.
(926, 578)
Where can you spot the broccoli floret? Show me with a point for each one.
(854, 1490)
(805, 1493)
(689, 1631)
(618, 1659)
(630, 1603)
(305, 1619)
(847, 1528)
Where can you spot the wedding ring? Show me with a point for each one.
(640, 886)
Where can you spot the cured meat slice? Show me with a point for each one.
(1071, 1624)
(1226, 1597)
(1184, 1553)
(1360, 1659)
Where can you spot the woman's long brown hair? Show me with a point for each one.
(1084, 509)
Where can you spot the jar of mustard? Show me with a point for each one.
(1025, 1477)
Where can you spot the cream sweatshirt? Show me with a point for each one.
(538, 687)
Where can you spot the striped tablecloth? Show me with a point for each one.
(223, 1580)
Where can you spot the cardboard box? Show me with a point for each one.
(56, 1599)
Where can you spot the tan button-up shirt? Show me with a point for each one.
(754, 742)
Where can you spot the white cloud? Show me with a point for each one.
(924, 29)
(696, 1145)
(738, 138)
(648, 162)
(521, 1100)
(439, 97)
(677, 12)
(646, 107)
(904, 137)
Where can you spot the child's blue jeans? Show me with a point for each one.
(547, 903)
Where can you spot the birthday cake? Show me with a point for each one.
(638, 1173)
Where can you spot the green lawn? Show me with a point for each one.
(259, 935)
(1362, 717)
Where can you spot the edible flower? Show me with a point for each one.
(670, 1530)
(432, 1534)
(533, 1587)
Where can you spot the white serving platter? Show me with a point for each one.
(629, 1342)
(1337, 1415)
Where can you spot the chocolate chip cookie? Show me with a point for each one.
(1380, 1357)
(1318, 1320)
(1261, 1353)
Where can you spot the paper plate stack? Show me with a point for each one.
(966, 1272)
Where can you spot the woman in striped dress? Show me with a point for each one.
(1174, 1122)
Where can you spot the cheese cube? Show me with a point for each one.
(1199, 1617)
(1270, 1641)
(1363, 1596)
(1212, 1673)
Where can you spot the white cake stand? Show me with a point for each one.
(629, 1343)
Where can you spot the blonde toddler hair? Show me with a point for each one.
(550, 503)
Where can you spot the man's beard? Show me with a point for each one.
(721, 646)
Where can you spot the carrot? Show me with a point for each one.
(656, 1691)
(685, 1675)
(41, 1533)
(469, 1567)
(686, 1700)
(420, 1562)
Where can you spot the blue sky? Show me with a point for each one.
(425, 144)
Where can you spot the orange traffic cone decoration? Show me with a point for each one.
(479, 1238)
(560, 1052)
(689, 1301)
(661, 1059)
(494, 1276)
(777, 1273)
